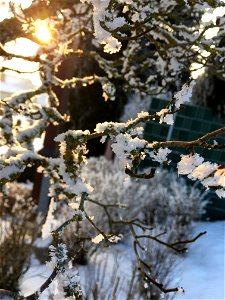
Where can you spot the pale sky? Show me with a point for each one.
(20, 46)
(4, 7)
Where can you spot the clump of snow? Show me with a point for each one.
(160, 155)
(124, 144)
(184, 95)
(210, 174)
(165, 116)
(188, 163)
(112, 45)
(202, 171)
(97, 239)
(76, 134)
(115, 238)
(115, 126)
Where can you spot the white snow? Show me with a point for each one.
(97, 239)
(184, 94)
(201, 271)
(160, 155)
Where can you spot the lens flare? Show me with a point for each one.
(42, 31)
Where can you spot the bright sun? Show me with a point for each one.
(42, 31)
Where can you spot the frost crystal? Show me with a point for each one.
(184, 94)
(58, 256)
(71, 281)
(161, 155)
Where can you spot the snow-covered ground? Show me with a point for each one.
(201, 271)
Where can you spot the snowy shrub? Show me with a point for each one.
(160, 199)
(102, 279)
(135, 104)
(110, 275)
(171, 198)
(164, 201)
(160, 260)
(18, 231)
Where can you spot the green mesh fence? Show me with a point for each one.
(190, 123)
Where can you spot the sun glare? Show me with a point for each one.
(5, 9)
(197, 70)
(42, 31)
